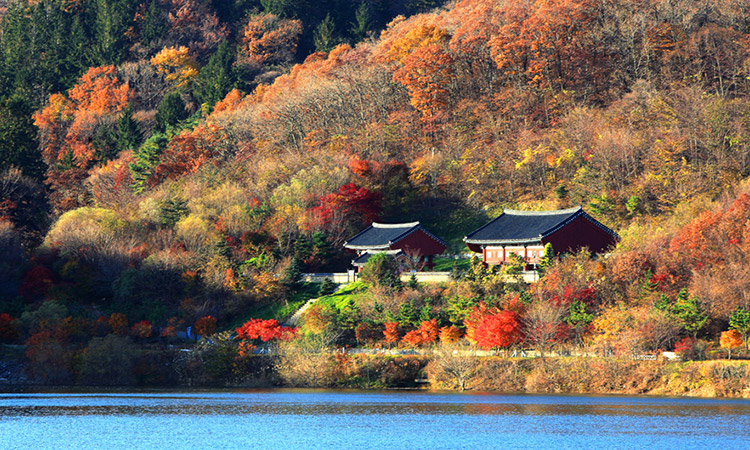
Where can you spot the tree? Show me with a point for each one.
(171, 111)
(142, 329)
(265, 330)
(495, 329)
(426, 334)
(391, 333)
(740, 321)
(18, 138)
(325, 38)
(154, 23)
(690, 312)
(146, 159)
(128, 134)
(427, 74)
(109, 361)
(454, 364)
(111, 22)
(450, 334)
(542, 324)
(730, 339)
(548, 257)
(579, 320)
(268, 39)
(177, 66)
(206, 326)
(327, 287)
(381, 270)
(362, 24)
(216, 78)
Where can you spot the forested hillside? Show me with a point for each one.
(168, 161)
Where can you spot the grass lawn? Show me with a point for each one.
(341, 298)
(446, 264)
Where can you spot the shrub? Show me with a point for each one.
(109, 361)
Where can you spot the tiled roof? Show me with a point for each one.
(382, 235)
(362, 259)
(513, 227)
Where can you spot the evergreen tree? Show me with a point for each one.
(740, 321)
(325, 38)
(171, 111)
(690, 312)
(217, 77)
(18, 145)
(128, 134)
(425, 312)
(322, 247)
(154, 24)
(146, 158)
(548, 257)
(413, 283)
(327, 287)
(111, 20)
(362, 24)
(171, 211)
(293, 274)
(408, 315)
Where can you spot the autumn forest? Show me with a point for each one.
(175, 164)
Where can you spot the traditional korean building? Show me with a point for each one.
(400, 240)
(525, 233)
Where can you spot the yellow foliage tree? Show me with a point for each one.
(418, 37)
(177, 65)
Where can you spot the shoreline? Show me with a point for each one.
(713, 379)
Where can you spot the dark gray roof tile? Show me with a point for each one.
(522, 226)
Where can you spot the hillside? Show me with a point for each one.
(173, 160)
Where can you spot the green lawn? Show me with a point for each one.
(341, 298)
(446, 264)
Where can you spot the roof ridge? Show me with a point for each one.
(394, 225)
(515, 212)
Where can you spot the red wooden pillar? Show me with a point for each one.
(503, 253)
(525, 256)
(484, 254)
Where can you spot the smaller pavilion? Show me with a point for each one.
(399, 240)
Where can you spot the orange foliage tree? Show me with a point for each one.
(426, 334)
(390, 333)
(269, 39)
(68, 124)
(450, 334)
(730, 339)
(427, 74)
(189, 150)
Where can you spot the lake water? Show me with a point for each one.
(305, 419)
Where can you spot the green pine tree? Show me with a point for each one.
(146, 158)
(154, 24)
(171, 111)
(362, 24)
(324, 37)
(217, 77)
(128, 134)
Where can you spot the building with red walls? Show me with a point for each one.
(525, 233)
(407, 240)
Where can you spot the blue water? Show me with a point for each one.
(300, 419)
